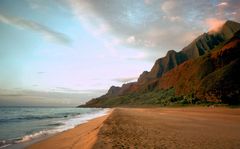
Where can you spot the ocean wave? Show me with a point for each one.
(5, 143)
(37, 135)
(37, 117)
(60, 126)
(8, 142)
(24, 118)
(65, 125)
(56, 124)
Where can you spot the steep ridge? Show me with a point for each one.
(162, 65)
(213, 77)
(208, 41)
(188, 71)
(201, 45)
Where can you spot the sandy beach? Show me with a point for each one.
(192, 127)
(83, 136)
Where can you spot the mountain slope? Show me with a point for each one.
(199, 71)
(201, 45)
(212, 77)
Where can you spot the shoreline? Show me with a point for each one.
(186, 127)
(24, 126)
(84, 134)
(43, 135)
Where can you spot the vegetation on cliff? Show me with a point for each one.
(205, 71)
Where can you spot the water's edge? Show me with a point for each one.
(42, 135)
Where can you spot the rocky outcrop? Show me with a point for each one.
(163, 65)
(114, 90)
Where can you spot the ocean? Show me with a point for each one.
(22, 124)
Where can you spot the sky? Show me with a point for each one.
(65, 52)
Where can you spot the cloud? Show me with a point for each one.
(125, 79)
(174, 18)
(214, 24)
(222, 4)
(86, 91)
(141, 56)
(131, 40)
(50, 98)
(151, 26)
(88, 17)
(148, 2)
(103, 28)
(45, 31)
(64, 89)
(35, 4)
(168, 6)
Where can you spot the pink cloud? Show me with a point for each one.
(214, 24)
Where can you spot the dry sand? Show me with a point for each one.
(153, 128)
(186, 128)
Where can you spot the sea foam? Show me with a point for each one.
(59, 125)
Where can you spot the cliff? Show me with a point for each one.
(205, 70)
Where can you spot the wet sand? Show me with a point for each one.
(83, 136)
(148, 128)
